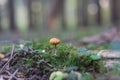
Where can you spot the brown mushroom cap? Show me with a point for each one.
(54, 41)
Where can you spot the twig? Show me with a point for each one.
(48, 64)
(11, 57)
(31, 78)
(13, 75)
(111, 58)
(13, 47)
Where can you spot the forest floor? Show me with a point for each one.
(71, 39)
(112, 57)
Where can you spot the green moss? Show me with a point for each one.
(36, 55)
(67, 56)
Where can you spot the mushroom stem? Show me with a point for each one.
(55, 49)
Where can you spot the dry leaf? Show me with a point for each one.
(2, 55)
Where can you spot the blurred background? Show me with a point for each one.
(70, 20)
(93, 24)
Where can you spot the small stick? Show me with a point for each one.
(48, 64)
(11, 56)
(13, 75)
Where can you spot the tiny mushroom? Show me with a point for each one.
(55, 42)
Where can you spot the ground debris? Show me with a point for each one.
(20, 65)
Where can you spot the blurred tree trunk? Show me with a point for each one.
(115, 12)
(34, 12)
(62, 14)
(84, 12)
(98, 15)
(56, 9)
(30, 14)
(79, 13)
(11, 15)
(0, 19)
(52, 13)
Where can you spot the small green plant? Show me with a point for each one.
(93, 46)
(5, 48)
